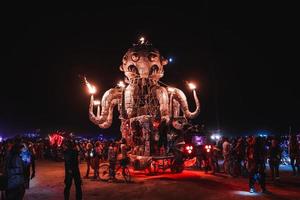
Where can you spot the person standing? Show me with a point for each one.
(72, 170)
(214, 158)
(226, 153)
(256, 163)
(294, 152)
(88, 157)
(112, 158)
(97, 155)
(28, 157)
(274, 159)
(14, 171)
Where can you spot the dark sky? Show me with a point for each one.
(236, 53)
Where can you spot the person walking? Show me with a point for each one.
(72, 170)
(274, 159)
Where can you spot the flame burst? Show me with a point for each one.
(91, 88)
(192, 86)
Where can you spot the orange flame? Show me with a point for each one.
(192, 86)
(91, 88)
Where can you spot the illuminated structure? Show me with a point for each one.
(144, 105)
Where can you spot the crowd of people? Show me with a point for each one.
(17, 167)
(18, 156)
(248, 156)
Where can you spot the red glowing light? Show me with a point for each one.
(56, 139)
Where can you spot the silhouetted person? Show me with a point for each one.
(163, 130)
(256, 163)
(88, 158)
(294, 152)
(112, 158)
(28, 157)
(72, 171)
(274, 159)
(14, 170)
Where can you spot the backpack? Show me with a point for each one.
(26, 157)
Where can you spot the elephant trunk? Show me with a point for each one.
(181, 98)
(110, 116)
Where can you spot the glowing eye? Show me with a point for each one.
(135, 57)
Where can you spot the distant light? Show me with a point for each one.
(121, 84)
(192, 86)
(215, 137)
(1, 139)
(96, 103)
(170, 60)
(142, 40)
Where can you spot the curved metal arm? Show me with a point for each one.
(109, 120)
(163, 98)
(181, 98)
(107, 100)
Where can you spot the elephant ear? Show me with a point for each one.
(164, 61)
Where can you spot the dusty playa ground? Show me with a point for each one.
(191, 184)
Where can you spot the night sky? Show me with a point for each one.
(236, 53)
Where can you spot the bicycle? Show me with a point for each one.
(121, 171)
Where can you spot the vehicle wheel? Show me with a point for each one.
(104, 172)
(126, 175)
(179, 168)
